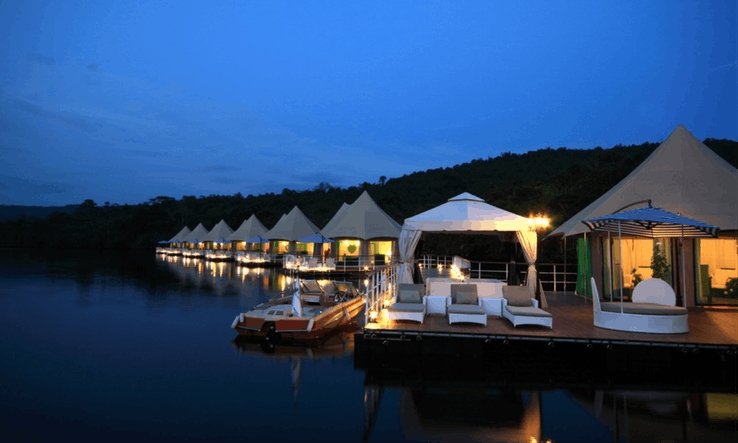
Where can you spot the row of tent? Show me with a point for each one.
(363, 220)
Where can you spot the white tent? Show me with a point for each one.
(250, 228)
(181, 235)
(336, 218)
(363, 220)
(219, 233)
(683, 176)
(292, 227)
(466, 213)
(197, 234)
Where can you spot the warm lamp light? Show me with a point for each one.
(538, 221)
(373, 314)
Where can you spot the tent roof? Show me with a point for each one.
(219, 233)
(292, 227)
(251, 227)
(363, 219)
(466, 212)
(334, 220)
(683, 176)
(183, 233)
(197, 234)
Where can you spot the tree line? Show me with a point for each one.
(558, 182)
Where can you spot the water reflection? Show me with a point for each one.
(114, 369)
(338, 345)
(457, 410)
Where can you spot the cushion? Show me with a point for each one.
(466, 309)
(406, 307)
(464, 295)
(517, 295)
(408, 296)
(527, 311)
(643, 308)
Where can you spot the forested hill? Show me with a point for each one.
(558, 182)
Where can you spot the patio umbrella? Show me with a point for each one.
(652, 222)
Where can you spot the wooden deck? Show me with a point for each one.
(572, 321)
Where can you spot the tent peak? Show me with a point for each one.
(465, 196)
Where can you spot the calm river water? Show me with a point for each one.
(110, 347)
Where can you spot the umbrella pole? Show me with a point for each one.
(612, 265)
(620, 251)
(684, 275)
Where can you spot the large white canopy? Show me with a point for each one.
(466, 213)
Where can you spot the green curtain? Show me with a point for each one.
(584, 267)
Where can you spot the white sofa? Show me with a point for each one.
(650, 317)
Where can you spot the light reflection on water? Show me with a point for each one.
(119, 348)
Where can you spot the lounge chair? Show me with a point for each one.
(464, 305)
(521, 309)
(653, 318)
(409, 303)
(311, 291)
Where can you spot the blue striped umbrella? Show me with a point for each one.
(651, 222)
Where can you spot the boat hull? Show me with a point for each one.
(307, 328)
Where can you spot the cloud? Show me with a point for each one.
(20, 190)
(68, 119)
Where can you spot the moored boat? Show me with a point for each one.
(289, 318)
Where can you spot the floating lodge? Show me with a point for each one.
(423, 312)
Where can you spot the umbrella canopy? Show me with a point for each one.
(651, 222)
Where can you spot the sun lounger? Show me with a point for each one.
(521, 309)
(409, 303)
(464, 305)
(311, 291)
(654, 318)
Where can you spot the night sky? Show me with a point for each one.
(124, 101)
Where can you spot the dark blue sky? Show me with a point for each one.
(124, 101)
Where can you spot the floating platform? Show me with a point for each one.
(573, 351)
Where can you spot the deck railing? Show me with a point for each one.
(379, 288)
(552, 276)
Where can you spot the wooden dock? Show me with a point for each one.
(706, 355)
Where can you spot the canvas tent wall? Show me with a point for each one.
(466, 213)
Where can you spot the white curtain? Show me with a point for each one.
(529, 242)
(407, 244)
